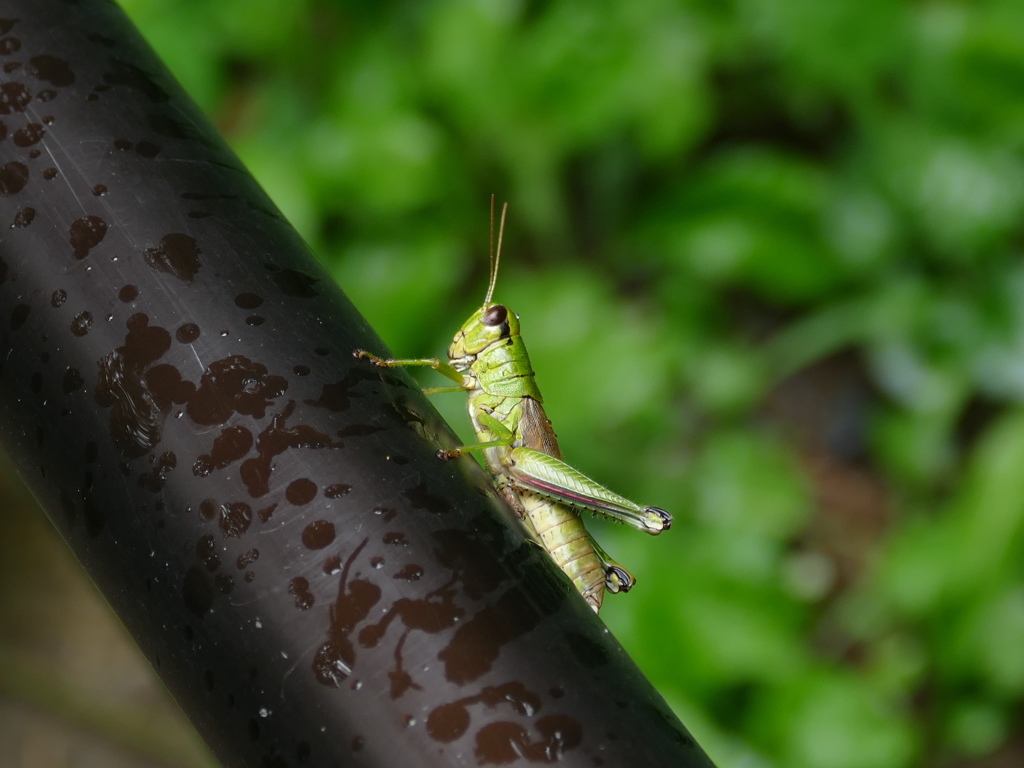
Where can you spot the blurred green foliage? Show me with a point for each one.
(767, 256)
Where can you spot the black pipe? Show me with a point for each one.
(263, 511)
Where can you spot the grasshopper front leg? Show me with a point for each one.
(464, 382)
(441, 366)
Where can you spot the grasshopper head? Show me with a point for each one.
(491, 324)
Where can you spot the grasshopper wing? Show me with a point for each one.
(535, 429)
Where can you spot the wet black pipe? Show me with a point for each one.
(264, 512)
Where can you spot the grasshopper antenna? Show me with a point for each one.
(495, 254)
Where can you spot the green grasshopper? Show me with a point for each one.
(489, 362)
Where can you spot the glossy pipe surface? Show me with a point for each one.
(265, 513)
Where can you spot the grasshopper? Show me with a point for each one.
(488, 361)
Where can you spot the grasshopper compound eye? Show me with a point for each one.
(495, 315)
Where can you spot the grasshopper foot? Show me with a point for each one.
(448, 455)
(363, 354)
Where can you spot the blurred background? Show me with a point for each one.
(767, 256)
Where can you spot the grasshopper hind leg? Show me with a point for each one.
(616, 577)
(552, 477)
(666, 517)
